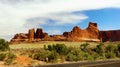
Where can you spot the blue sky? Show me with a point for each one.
(107, 19)
(56, 16)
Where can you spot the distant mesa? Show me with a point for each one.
(91, 33)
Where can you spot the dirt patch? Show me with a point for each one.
(23, 60)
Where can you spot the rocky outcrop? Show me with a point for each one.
(19, 38)
(91, 33)
(78, 34)
(39, 33)
(31, 34)
(111, 35)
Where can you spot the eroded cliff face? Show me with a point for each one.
(91, 33)
(18, 38)
(111, 35)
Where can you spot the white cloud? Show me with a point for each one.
(57, 19)
(14, 14)
(54, 32)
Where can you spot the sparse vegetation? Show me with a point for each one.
(5, 54)
(7, 57)
(4, 45)
(10, 57)
(85, 52)
(60, 52)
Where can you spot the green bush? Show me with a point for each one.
(89, 57)
(100, 49)
(51, 53)
(7, 57)
(53, 56)
(74, 55)
(110, 48)
(41, 55)
(118, 47)
(71, 57)
(10, 58)
(50, 47)
(118, 54)
(48, 56)
(4, 45)
(59, 48)
(2, 56)
(84, 47)
(110, 55)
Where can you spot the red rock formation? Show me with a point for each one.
(91, 33)
(78, 34)
(19, 38)
(112, 35)
(39, 33)
(31, 35)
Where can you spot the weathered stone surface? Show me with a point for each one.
(92, 31)
(31, 35)
(39, 33)
(78, 34)
(19, 38)
(112, 35)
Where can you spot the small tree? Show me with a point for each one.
(4, 45)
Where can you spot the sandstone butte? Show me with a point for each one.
(90, 34)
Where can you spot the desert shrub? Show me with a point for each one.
(110, 55)
(62, 58)
(7, 57)
(4, 45)
(111, 51)
(118, 47)
(2, 56)
(59, 48)
(45, 47)
(100, 49)
(10, 58)
(84, 47)
(71, 57)
(118, 50)
(50, 47)
(74, 55)
(41, 55)
(48, 56)
(110, 48)
(118, 54)
(85, 57)
(53, 56)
